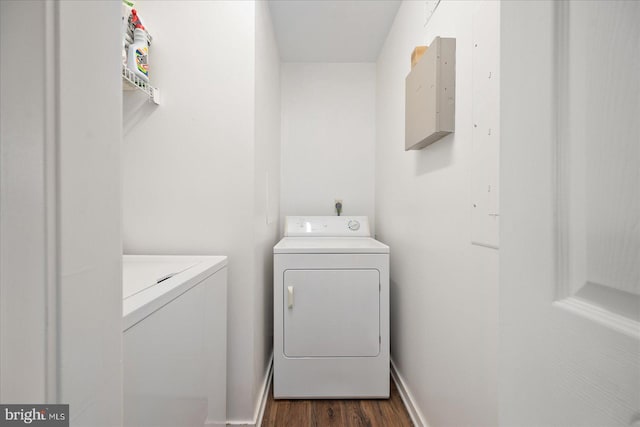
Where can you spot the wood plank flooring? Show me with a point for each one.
(339, 413)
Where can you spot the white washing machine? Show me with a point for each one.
(331, 310)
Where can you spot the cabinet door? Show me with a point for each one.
(331, 313)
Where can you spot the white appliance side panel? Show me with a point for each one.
(173, 361)
(331, 313)
(215, 339)
(163, 366)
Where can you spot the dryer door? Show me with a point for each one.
(331, 313)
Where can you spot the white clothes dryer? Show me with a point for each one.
(331, 310)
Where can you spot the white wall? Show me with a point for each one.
(90, 131)
(61, 247)
(444, 290)
(24, 253)
(195, 166)
(266, 187)
(328, 135)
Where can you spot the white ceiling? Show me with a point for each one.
(331, 30)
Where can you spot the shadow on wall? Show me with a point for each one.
(438, 155)
(395, 322)
(135, 110)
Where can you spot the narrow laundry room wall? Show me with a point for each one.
(328, 135)
(444, 289)
(266, 186)
(195, 166)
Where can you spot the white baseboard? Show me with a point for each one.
(417, 418)
(265, 394)
(262, 403)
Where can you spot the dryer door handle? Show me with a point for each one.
(290, 296)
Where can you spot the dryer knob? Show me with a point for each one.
(353, 225)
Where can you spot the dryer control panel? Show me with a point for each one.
(327, 226)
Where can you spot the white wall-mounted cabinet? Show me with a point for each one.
(430, 95)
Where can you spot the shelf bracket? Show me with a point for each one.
(132, 82)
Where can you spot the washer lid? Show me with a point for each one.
(140, 272)
(330, 245)
(327, 226)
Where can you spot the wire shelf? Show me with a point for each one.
(133, 82)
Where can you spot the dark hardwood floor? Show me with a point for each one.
(344, 413)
